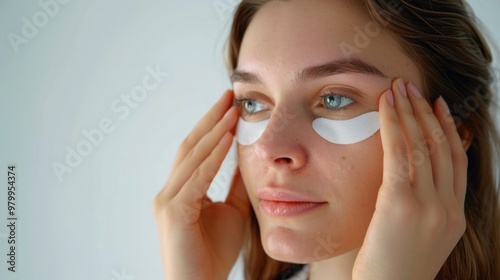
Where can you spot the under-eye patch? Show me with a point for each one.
(335, 131)
(248, 133)
(347, 131)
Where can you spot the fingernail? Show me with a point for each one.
(402, 87)
(444, 105)
(414, 90)
(390, 98)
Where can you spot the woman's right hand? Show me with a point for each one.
(419, 215)
(201, 239)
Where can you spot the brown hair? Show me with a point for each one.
(455, 62)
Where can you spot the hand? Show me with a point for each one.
(419, 215)
(201, 239)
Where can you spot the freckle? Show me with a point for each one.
(343, 157)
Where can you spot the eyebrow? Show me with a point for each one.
(315, 72)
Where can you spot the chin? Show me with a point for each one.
(289, 245)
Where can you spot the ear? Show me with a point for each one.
(466, 136)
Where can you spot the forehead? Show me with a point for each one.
(287, 36)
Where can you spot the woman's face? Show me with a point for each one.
(290, 161)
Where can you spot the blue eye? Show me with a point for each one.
(335, 101)
(252, 106)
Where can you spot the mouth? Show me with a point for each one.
(287, 208)
(280, 203)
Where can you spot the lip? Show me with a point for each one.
(285, 203)
(285, 196)
(287, 209)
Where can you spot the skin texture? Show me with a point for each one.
(392, 208)
(349, 176)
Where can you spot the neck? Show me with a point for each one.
(338, 268)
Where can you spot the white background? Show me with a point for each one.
(96, 222)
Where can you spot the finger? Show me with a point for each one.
(206, 201)
(196, 187)
(200, 151)
(420, 171)
(238, 197)
(458, 153)
(203, 127)
(435, 143)
(395, 176)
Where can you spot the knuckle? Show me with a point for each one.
(407, 114)
(159, 205)
(438, 135)
(456, 220)
(418, 155)
(436, 220)
(452, 121)
(187, 143)
(191, 152)
(197, 173)
(400, 150)
(427, 111)
(203, 174)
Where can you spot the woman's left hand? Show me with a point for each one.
(419, 215)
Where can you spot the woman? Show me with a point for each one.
(411, 195)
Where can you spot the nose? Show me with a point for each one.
(281, 145)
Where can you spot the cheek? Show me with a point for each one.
(353, 175)
(246, 164)
(353, 172)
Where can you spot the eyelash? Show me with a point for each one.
(240, 103)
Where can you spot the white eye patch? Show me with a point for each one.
(335, 131)
(347, 131)
(248, 133)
